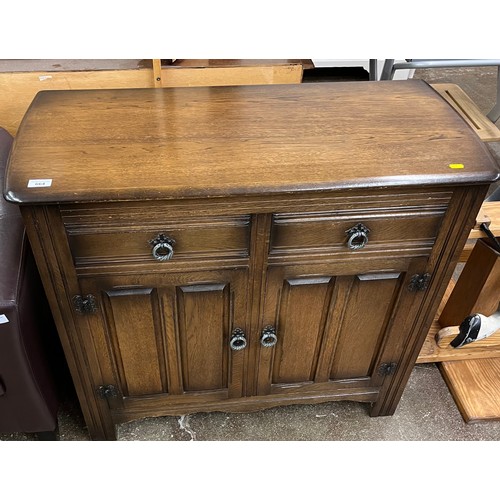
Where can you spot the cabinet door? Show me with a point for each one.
(335, 329)
(166, 338)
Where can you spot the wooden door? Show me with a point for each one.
(335, 329)
(163, 338)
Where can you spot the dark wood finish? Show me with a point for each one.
(257, 186)
(172, 338)
(299, 233)
(199, 142)
(459, 218)
(126, 240)
(329, 327)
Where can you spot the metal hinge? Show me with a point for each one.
(107, 391)
(387, 368)
(419, 282)
(84, 305)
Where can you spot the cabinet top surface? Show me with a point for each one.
(135, 144)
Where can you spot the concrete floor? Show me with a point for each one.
(426, 411)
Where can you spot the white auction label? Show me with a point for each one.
(39, 183)
(3, 319)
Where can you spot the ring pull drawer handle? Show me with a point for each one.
(358, 237)
(163, 247)
(268, 337)
(238, 340)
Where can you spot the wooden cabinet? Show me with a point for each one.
(334, 329)
(234, 249)
(169, 334)
(167, 297)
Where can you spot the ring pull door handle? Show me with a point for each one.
(238, 340)
(163, 247)
(268, 337)
(358, 237)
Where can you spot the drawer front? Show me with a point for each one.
(106, 242)
(355, 233)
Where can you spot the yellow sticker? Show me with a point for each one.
(456, 165)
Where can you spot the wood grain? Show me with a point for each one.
(233, 75)
(432, 353)
(134, 409)
(477, 289)
(201, 158)
(127, 240)
(490, 214)
(134, 332)
(316, 232)
(459, 220)
(226, 72)
(364, 324)
(156, 63)
(475, 387)
(485, 128)
(299, 323)
(203, 330)
(18, 89)
(163, 143)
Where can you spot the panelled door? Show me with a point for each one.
(323, 326)
(170, 336)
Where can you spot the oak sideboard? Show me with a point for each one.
(237, 248)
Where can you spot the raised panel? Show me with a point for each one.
(167, 335)
(136, 335)
(204, 322)
(367, 312)
(300, 325)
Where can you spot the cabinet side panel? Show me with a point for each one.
(369, 305)
(458, 222)
(133, 328)
(203, 329)
(54, 262)
(300, 326)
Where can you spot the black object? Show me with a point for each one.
(468, 331)
(419, 282)
(493, 241)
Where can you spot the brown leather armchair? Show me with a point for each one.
(29, 349)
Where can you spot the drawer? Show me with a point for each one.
(356, 233)
(105, 241)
